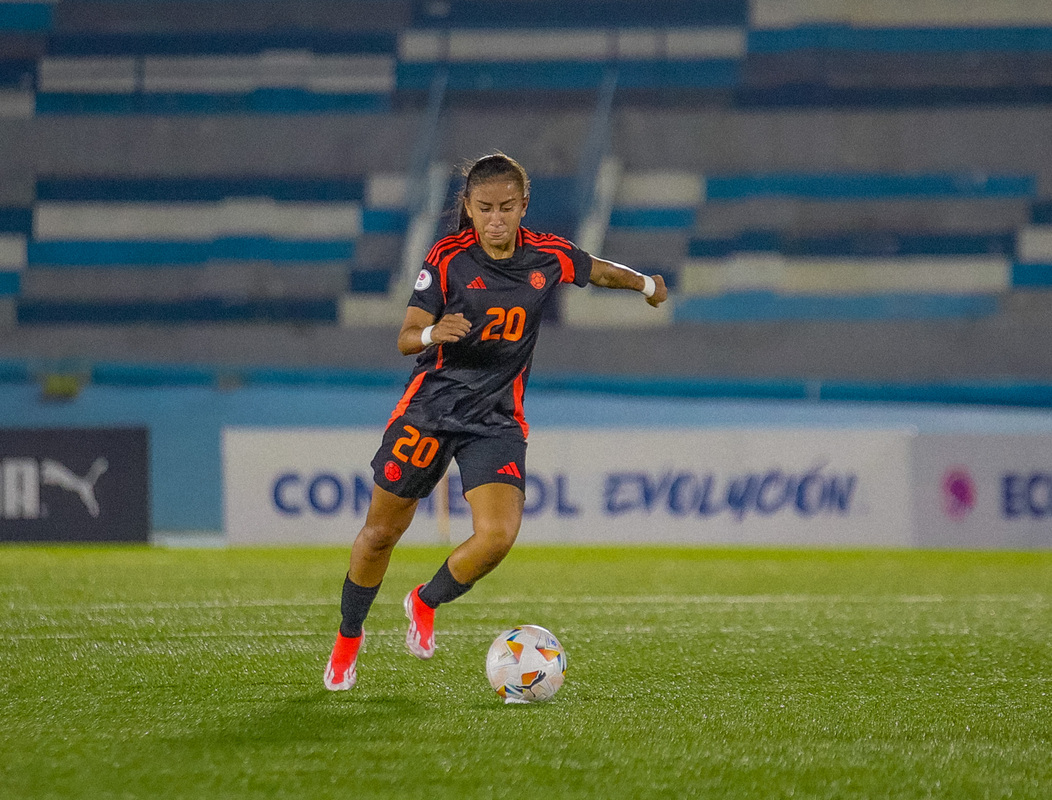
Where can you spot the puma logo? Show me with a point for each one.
(53, 473)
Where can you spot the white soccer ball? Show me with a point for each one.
(526, 664)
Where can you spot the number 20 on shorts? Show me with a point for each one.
(424, 449)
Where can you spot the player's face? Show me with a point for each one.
(496, 208)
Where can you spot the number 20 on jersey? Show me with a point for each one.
(507, 324)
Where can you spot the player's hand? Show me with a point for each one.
(451, 328)
(660, 292)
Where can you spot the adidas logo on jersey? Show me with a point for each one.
(510, 469)
(478, 283)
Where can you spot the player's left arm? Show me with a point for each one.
(617, 276)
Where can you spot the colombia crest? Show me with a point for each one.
(537, 280)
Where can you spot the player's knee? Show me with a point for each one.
(498, 537)
(380, 536)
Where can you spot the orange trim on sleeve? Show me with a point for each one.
(443, 274)
(518, 389)
(454, 240)
(403, 404)
(565, 264)
(546, 239)
(443, 265)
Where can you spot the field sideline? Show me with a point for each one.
(714, 673)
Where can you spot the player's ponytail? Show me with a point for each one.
(496, 166)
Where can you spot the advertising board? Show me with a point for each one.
(74, 485)
(757, 486)
(983, 490)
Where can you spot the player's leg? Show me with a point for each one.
(387, 519)
(406, 467)
(496, 516)
(492, 471)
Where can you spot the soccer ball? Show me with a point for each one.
(526, 664)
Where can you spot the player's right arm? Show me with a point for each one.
(618, 276)
(450, 328)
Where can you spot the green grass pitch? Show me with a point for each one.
(710, 673)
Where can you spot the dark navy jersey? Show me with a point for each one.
(476, 385)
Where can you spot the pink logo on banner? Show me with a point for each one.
(958, 493)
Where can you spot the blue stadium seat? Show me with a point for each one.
(580, 14)
(101, 188)
(553, 205)
(369, 281)
(1032, 276)
(863, 186)
(26, 16)
(36, 312)
(181, 43)
(767, 306)
(79, 253)
(1041, 212)
(16, 73)
(855, 243)
(16, 220)
(10, 282)
(984, 39)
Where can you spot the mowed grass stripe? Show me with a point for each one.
(569, 600)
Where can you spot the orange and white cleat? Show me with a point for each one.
(420, 640)
(341, 673)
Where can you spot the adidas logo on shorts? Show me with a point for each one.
(510, 469)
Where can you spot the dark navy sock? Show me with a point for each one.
(443, 588)
(355, 605)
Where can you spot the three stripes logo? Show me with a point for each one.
(478, 283)
(510, 469)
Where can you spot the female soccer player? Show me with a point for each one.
(473, 319)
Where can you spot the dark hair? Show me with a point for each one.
(488, 168)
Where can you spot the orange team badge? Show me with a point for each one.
(392, 471)
(537, 280)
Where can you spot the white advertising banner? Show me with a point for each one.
(983, 490)
(759, 486)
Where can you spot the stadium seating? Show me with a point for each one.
(15, 225)
(221, 249)
(804, 160)
(1033, 267)
(868, 272)
(319, 57)
(216, 74)
(572, 60)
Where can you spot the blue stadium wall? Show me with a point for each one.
(186, 422)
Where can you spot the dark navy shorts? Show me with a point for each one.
(411, 460)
